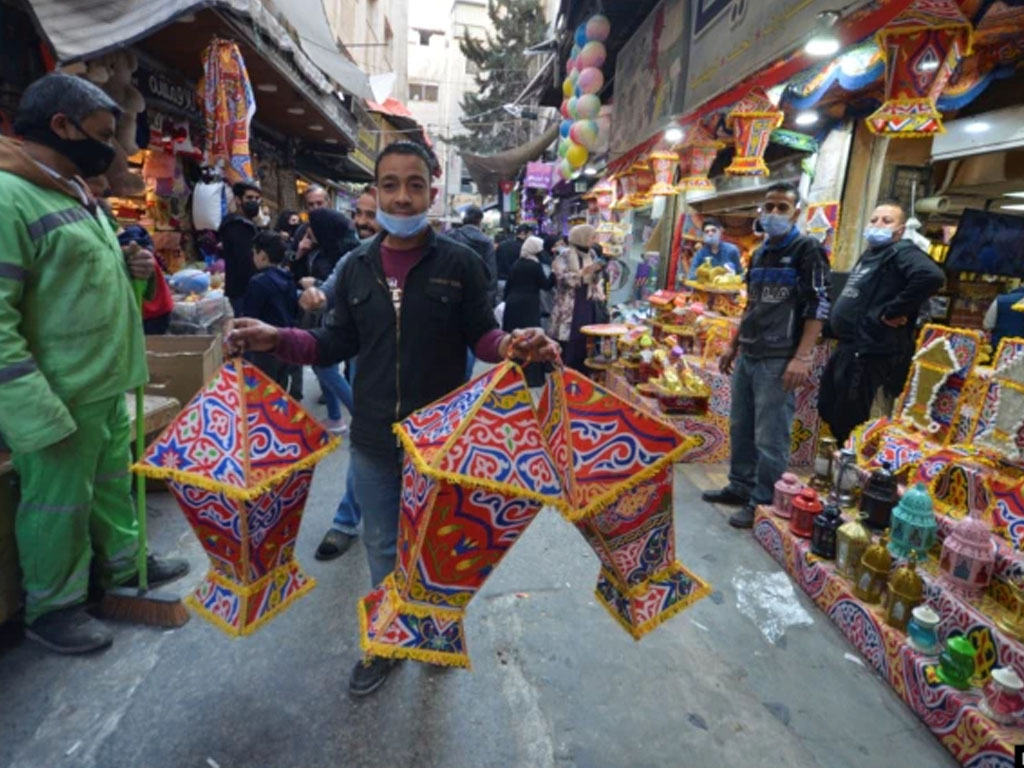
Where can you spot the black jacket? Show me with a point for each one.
(522, 294)
(508, 252)
(408, 360)
(235, 236)
(272, 297)
(483, 246)
(892, 281)
(787, 283)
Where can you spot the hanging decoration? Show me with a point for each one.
(239, 461)
(752, 121)
(615, 465)
(228, 109)
(581, 88)
(664, 166)
(477, 471)
(696, 156)
(922, 48)
(643, 177)
(626, 182)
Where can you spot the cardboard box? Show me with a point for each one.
(180, 365)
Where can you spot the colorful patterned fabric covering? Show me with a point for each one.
(616, 467)
(477, 471)
(228, 108)
(238, 459)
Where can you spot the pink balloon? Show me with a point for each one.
(593, 54)
(585, 133)
(598, 27)
(565, 109)
(585, 107)
(591, 80)
(571, 66)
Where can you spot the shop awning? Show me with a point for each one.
(488, 170)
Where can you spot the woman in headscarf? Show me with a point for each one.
(522, 297)
(579, 294)
(288, 223)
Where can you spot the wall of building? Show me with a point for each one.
(374, 33)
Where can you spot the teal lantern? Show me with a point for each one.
(913, 523)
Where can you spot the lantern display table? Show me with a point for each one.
(952, 715)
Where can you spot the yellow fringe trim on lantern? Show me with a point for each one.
(374, 648)
(702, 590)
(638, 589)
(233, 491)
(245, 592)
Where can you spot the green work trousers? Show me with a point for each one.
(76, 503)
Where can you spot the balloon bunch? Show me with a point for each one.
(579, 132)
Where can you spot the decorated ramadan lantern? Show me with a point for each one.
(626, 183)
(913, 522)
(922, 47)
(906, 591)
(1004, 696)
(644, 176)
(823, 464)
(477, 471)
(604, 195)
(852, 542)
(664, 166)
(879, 497)
(806, 506)
(786, 489)
(239, 461)
(752, 121)
(873, 572)
(968, 556)
(696, 156)
(603, 343)
(826, 529)
(615, 463)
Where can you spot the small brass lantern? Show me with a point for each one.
(873, 571)
(823, 465)
(852, 541)
(906, 591)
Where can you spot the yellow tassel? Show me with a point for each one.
(245, 593)
(374, 648)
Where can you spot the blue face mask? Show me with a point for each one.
(402, 226)
(878, 236)
(712, 240)
(776, 224)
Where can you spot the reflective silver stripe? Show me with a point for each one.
(10, 271)
(17, 370)
(52, 221)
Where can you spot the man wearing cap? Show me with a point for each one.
(235, 235)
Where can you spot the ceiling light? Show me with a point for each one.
(807, 118)
(1019, 207)
(978, 126)
(267, 87)
(331, 141)
(591, 171)
(672, 135)
(296, 111)
(1014, 194)
(823, 40)
(315, 127)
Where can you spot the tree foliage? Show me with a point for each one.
(502, 73)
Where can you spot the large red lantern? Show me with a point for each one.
(922, 47)
(752, 121)
(697, 154)
(664, 167)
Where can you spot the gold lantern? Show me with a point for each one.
(696, 156)
(664, 167)
(852, 541)
(644, 176)
(906, 591)
(626, 183)
(873, 571)
(752, 121)
(604, 192)
(822, 479)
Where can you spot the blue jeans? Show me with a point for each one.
(348, 515)
(760, 420)
(377, 486)
(337, 391)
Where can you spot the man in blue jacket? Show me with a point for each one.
(715, 251)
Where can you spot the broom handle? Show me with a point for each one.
(140, 448)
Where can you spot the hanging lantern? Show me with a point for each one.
(873, 572)
(968, 557)
(913, 522)
(752, 122)
(626, 182)
(644, 176)
(604, 195)
(852, 542)
(906, 591)
(664, 166)
(826, 528)
(696, 155)
(922, 47)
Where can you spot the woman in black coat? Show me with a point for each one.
(522, 297)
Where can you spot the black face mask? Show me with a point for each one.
(250, 208)
(91, 156)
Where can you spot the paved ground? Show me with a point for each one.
(751, 676)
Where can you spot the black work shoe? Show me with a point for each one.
(69, 631)
(160, 571)
(369, 674)
(744, 518)
(334, 544)
(725, 497)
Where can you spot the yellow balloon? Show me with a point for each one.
(568, 88)
(576, 155)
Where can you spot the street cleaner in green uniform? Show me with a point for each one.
(71, 345)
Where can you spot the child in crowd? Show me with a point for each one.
(272, 297)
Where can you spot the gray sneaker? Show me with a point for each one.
(69, 631)
(744, 518)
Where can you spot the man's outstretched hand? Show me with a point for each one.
(249, 335)
(531, 345)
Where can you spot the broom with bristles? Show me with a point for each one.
(138, 604)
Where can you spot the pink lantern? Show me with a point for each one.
(626, 181)
(696, 156)
(787, 488)
(752, 121)
(664, 167)
(968, 557)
